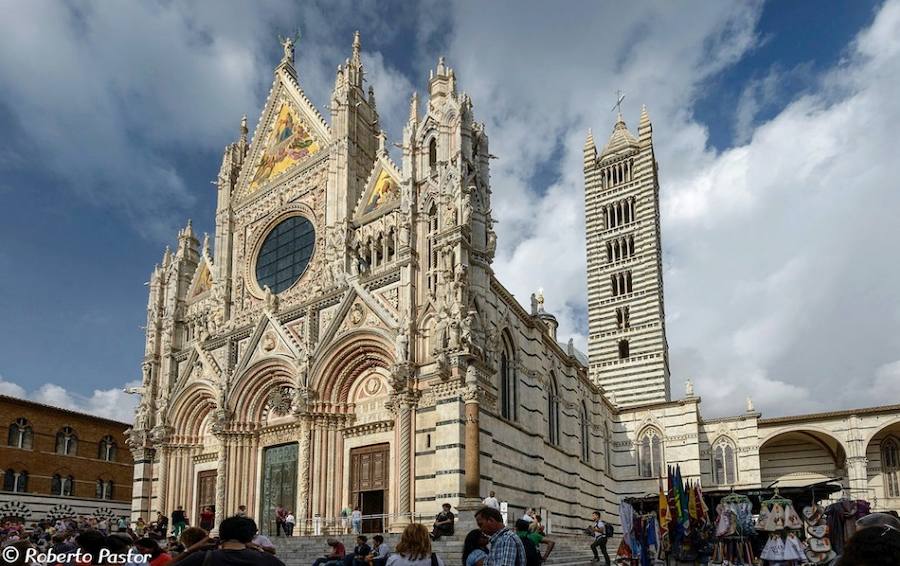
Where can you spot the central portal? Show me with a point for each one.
(279, 484)
(369, 480)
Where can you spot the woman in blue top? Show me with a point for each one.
(475, 548)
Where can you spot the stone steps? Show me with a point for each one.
(303, 550)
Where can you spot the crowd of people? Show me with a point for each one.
(239, 543)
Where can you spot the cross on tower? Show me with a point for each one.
(620, 96)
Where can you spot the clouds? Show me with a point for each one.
(112, 404)
(779, 277)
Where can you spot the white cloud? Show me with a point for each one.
(109, 403)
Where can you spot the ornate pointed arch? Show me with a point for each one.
(340, 365)
(247, 399)
(188, 409)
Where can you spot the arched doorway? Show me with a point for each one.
(883, 468)
(801, 457)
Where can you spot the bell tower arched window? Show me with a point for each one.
(650, 454)
(724, 466)
(890, 466)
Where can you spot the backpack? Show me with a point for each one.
(608, 530)
(532, 556)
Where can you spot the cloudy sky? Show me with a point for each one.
(774, 127)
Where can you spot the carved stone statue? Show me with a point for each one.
(287, 44)
(271, 300)
(689, 388)
(401, 345)
(301, 399)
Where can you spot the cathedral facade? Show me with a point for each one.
(344, 341)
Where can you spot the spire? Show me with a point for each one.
(414, 107)
(590, 149)
(620, 138)
(356, 46)
(645, 129)
(244, 130)
(442, 81)
(354, 64)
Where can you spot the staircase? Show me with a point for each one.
(570, 550)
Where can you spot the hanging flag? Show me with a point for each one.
(692, 502)
(664, 517)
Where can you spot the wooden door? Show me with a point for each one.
(369, 482)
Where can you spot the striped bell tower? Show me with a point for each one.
(627, 347)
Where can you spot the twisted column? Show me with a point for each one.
(161, 479)
(303, 474)
(221, 478)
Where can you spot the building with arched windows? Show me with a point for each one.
(56, 462)
(343, 340)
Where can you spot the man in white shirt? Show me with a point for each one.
(528, 517)
(491, 501)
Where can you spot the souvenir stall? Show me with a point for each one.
(780, 520)
(734, 531)
(672, 527)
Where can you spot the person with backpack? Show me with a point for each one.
(532, 555)
(602, 531)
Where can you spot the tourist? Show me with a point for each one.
(598, 529)
(122, 524)
(207, 518)
(506, 549)
(414, 548)
(162, 523)
(360, 552)
(140, 527)
(173, 547)
(242, 511)
(280, 514)
(289, 524)
(262, 542)
(528, 516)
(380, 551)
(191, 536)
(538, 536)
(475, 548)
(91, 542)
(158, 557)
(345, 518)
(872, 546)
(491, 501)
(179, 521)
(336, 554)
(443, 523)
(236, 534)
(356, 520)
(532, 555)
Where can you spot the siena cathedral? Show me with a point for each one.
(344, 341)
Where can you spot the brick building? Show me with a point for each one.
(56, 461)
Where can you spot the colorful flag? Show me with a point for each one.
(692, 502)
(664, 517)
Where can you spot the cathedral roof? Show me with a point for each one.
(620, 139)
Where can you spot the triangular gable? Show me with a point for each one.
(202, 281)
(382, 191)
(270, 339)
(358, 309)
(290, 132)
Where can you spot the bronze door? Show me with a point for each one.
(279, 484)
(369, 481)
(206, 495)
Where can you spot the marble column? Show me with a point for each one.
(161, 479)
(221, 478)
(302, 515)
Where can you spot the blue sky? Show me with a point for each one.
(115, 116)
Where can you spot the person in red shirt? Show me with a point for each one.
(158, 557)
(337, 553)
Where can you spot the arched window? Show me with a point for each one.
(585, 433)
(724, 468)
(508, 392)
(20, 434)
(432, 155)
(890, 467)
(650, 454)
(66, 441)
(607, 449)
(107, 449)
(62, 485)
(553, 411)
(9, 480)
(104, 489)
(431, 253)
